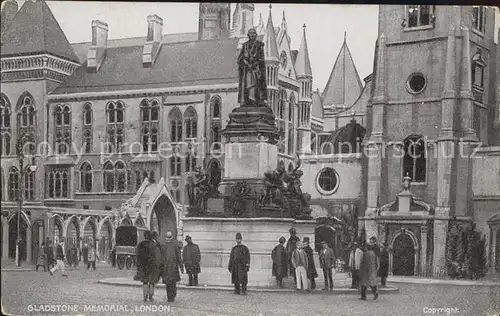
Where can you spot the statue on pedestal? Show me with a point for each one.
(252, 73)
(237, 201)
(197, 188)
(274, 188)
(298, 201)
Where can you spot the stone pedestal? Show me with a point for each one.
(216, 237)
(250, 151)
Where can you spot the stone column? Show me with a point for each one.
(423, 249)
(5, 237)
(391, 258)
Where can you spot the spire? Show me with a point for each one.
(303, 64)
(260, 28)
(344, 85)
(283, 22)
(380, 73)
(270, 45)
(35, 30)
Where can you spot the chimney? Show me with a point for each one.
(97, 51)
(153, 40)
(9, 10)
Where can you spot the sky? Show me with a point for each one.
(325, 26)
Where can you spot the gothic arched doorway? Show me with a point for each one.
(23, 228)
(163, 218)
(105, 243)
(89, 232)
(58, 232)
(72, 234)
(37, 229)
(403, 255)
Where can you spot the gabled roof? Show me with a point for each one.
(178, 64)
(317, 106)
(270, 45)
(303, 64)
(35, 30)
(344, 85)
(81, 49)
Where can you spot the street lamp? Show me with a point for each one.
(20, 156)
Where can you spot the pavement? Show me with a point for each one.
(34, 293)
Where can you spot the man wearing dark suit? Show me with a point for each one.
(327, 263)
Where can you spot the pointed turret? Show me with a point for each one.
(283, 30)
(379, 95)
(344, 85)
(260, 28)
(242, 19)
(302, 62)
(270, 45)
(34, 30)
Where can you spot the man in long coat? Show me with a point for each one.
(291, 245)
(148, 263)
(172, 262)
(384, 264)
(327, 263)
(369, 268)
(191, 258)
(355, 263)
(280, 262)
(85, 254)
(311, 266)
(239, 264)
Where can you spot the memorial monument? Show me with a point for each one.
(261, 201)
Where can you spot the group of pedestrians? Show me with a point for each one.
(163, 260)
(367, 262)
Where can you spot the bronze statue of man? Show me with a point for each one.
(252, 72)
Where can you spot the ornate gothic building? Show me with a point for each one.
(113, 129)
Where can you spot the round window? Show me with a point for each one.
(416, 83)
(327, 181)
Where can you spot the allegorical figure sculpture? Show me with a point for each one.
(197, 189)
(252, 72)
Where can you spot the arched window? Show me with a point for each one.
(115, 126)
(175, 166)
(216, 137)
(26, 121)
(109, 177)
(414, 159)
(282, 105)
(138, 179)
(477, 72)
(87, 127)
(191, 122)
(13, 183)
(120, 176)
(62, 123)
(58, 183)
(175, 120)
(5, 131)
(86, 177)
(313, 143)
(29, 184)
(215, 105)
(150, 119)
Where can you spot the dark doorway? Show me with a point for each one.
(13, 237)
(403, 262)
(165, 217)
(328, 234)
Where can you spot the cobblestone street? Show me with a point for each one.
(22, 289)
